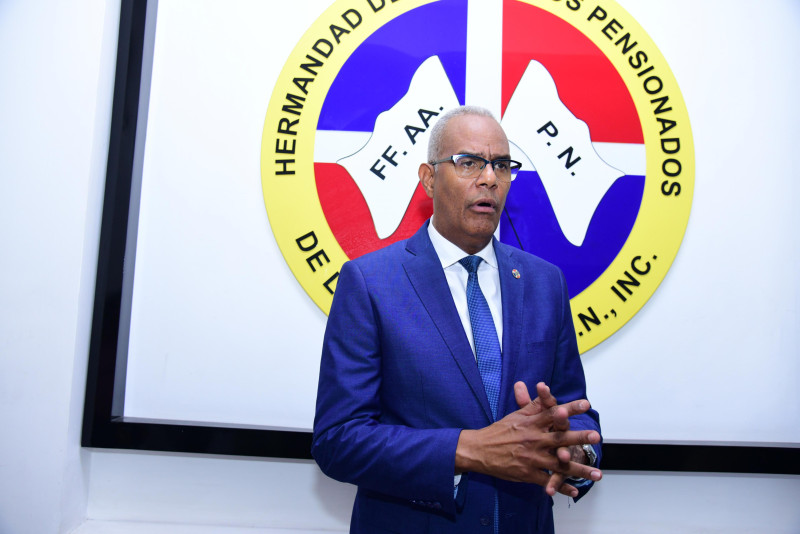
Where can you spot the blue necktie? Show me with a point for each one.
(484, 334)
(487, 347)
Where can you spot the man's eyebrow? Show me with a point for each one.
(481, 155)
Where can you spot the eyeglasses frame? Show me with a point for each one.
(512, 175)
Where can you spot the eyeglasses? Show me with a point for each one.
(470, 167)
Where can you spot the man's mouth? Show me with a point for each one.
(484, 205)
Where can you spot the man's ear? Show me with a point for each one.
(426, 178)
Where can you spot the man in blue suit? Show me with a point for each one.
(429, 348)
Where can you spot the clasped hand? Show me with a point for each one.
(533, 444)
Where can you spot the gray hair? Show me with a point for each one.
(437, 132)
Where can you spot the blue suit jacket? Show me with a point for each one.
(398, 381)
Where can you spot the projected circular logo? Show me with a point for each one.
(589, 105)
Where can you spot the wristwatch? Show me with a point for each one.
(588, 450)
(591, 456)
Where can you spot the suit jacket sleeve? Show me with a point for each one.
(352, 441)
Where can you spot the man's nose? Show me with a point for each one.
(487, 176)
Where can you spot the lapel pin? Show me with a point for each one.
(515, 273)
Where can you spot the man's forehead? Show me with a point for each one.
(475, 134)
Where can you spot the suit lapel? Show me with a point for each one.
(425, 272)
(512, 292)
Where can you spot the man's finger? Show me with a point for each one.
(544, 395)
(564, 454)
(554, 440)
(557, 418)
(560, 422)
(569, 491)
(575, 407)
(553, 483)
(576, 470)
(556, 484)
(521, 395)
(544, 400)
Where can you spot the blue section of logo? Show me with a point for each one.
(377, 75)
(538, 232)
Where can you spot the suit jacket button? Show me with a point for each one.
(485, 521)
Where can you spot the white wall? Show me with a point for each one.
(206, 331)
(57, 65)
(56, 76)
(240, 492)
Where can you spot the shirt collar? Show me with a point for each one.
(449, 253)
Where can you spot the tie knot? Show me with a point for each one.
(471, 263)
